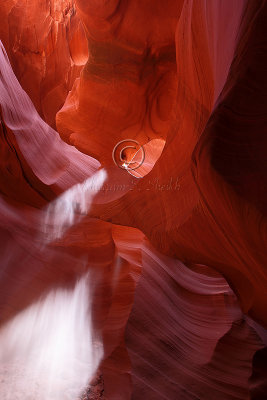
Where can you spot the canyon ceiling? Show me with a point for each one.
(150, 282)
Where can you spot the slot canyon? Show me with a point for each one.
(133, 200)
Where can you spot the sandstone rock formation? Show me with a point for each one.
(172, 253)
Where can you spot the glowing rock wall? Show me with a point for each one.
(162, 278)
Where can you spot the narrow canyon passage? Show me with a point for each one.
(133, 200)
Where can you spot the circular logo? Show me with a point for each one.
(128, 154)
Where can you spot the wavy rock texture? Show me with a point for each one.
(181, 346)
(171, 266)
(210, 215)
(127, 88)
(47, 49)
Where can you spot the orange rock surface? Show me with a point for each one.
(175, 249)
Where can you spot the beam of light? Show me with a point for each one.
(69, 208)
(48, 351)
